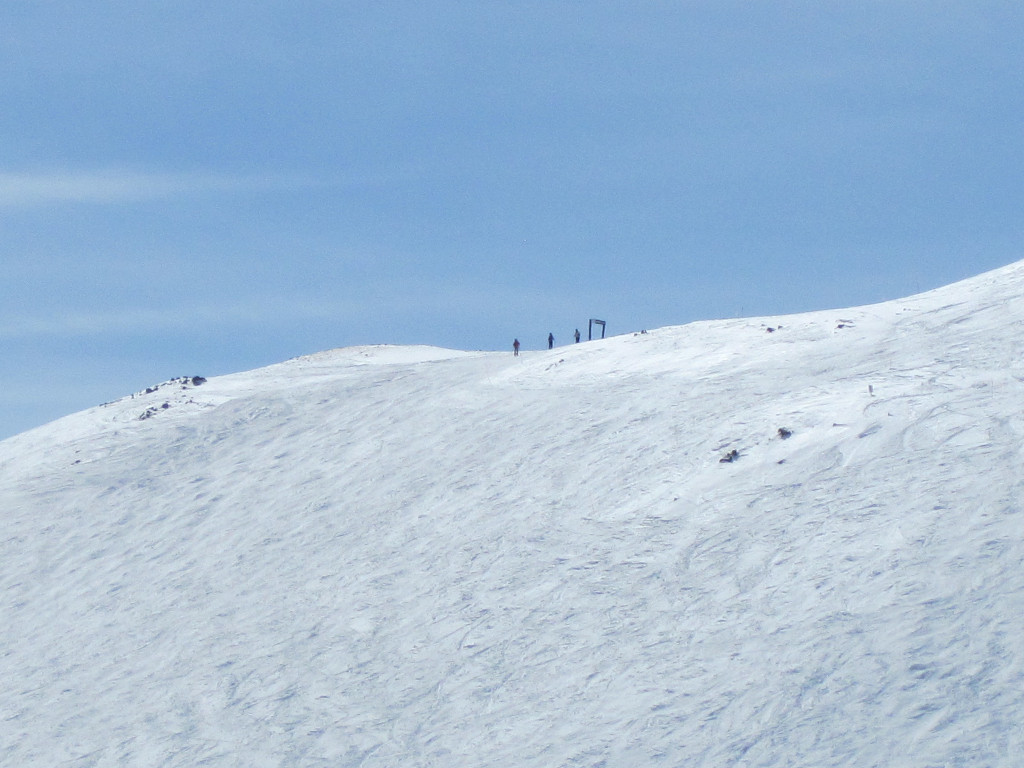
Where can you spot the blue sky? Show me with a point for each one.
(202, 188)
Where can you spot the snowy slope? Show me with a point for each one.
(418, 557)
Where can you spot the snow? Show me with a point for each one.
(387, 556)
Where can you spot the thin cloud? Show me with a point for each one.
(126, 186)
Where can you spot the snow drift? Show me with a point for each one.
(418, 557)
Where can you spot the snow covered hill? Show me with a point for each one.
(393, 556)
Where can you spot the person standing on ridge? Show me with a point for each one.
(577, 335)
(515, 347)
(551, 340)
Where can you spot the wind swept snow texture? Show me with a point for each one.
(416, 557)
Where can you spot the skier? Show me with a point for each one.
(577, 335)
(551, 340)
(515, 347)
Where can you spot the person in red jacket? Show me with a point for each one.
(515, 347)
